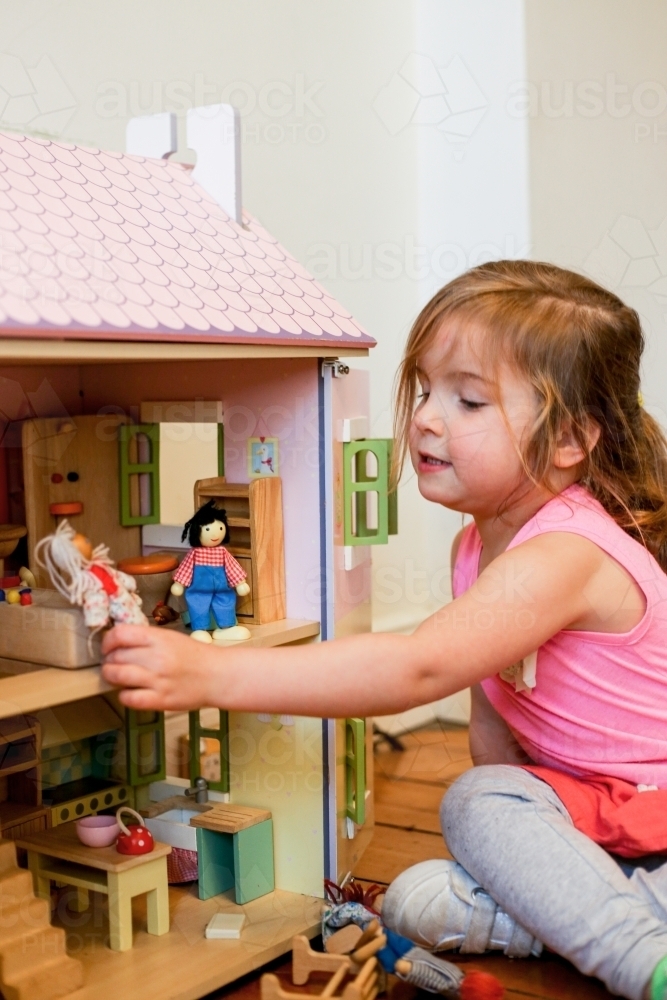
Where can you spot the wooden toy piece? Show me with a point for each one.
(55, 450)
(152, 574)
(235, 849)
(57, 855)
(225, 926)
(26, 930)
(357, 944)
(53, 633)
(344, 941)
(363, 953)
(255, 515)
(364, 985)
(211, 578)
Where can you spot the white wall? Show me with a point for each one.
(597, 116)
(371, 130)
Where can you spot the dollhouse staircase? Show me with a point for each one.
(33, 962)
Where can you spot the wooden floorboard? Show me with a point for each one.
(392, 850)
(409, 787)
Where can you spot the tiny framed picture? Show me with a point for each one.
(262, 457)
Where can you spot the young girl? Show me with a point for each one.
(528, 417)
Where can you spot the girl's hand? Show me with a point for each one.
(159, 670)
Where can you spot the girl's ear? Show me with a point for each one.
(569, 450)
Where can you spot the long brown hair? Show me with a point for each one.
(580, 347)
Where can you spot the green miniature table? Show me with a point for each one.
(58, 855)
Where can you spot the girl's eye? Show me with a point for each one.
(470, 404)
(423, 395)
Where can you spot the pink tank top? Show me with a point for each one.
(599, 704)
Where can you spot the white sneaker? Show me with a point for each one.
(438, 905)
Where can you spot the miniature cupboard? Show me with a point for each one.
(135, 307)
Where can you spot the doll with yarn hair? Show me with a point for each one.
(86, 576)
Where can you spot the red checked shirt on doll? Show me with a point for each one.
(210, 578)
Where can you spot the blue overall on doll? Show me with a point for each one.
(209, 593)
(210, 578)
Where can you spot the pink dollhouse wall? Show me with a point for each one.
(268, 397)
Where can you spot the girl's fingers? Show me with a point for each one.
(121, 636)
(128, 675)
(143, 655)
(141, 699)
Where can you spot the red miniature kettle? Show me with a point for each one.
(133, 839)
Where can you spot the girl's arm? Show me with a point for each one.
(521, 599)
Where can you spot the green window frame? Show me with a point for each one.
(142, 727)
(355, 770)
(356, 487)
(128, 432)
(219, 733)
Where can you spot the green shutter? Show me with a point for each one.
(131, 471)
(221, 450)
(355, 770)
(144, 736)
(219, 733)
(358, 484)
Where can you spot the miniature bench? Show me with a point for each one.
(235, 849)
(58, 855)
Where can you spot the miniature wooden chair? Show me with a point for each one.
(364, 985)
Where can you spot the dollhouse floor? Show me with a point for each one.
(182, 964)
(408, 790)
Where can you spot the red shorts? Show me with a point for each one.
(612, 812)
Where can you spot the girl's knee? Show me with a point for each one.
(474, 798)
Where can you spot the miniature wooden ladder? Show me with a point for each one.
(33, 962)
(364, 986)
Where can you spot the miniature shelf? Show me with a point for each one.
(22, 691)
(12, 813)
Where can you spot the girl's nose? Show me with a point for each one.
(430, 416)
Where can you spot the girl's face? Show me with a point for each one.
(212, 534)
(463, 442)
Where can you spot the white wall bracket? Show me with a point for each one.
(214, 133)
(152, 135)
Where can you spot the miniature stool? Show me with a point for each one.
(58, 855)
(234, 849)
(153, 575)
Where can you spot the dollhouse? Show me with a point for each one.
(158, 349)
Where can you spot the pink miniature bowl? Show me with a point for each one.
(98, 831)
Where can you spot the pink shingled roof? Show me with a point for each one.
(107, 246)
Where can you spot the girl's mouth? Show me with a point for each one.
(428, 463)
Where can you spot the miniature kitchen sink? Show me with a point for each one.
(169, 821)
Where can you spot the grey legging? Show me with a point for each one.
(512, 833)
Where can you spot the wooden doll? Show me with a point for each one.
(210, 577)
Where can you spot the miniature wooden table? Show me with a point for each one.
(58, 855)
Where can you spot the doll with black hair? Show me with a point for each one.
(210, 577)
